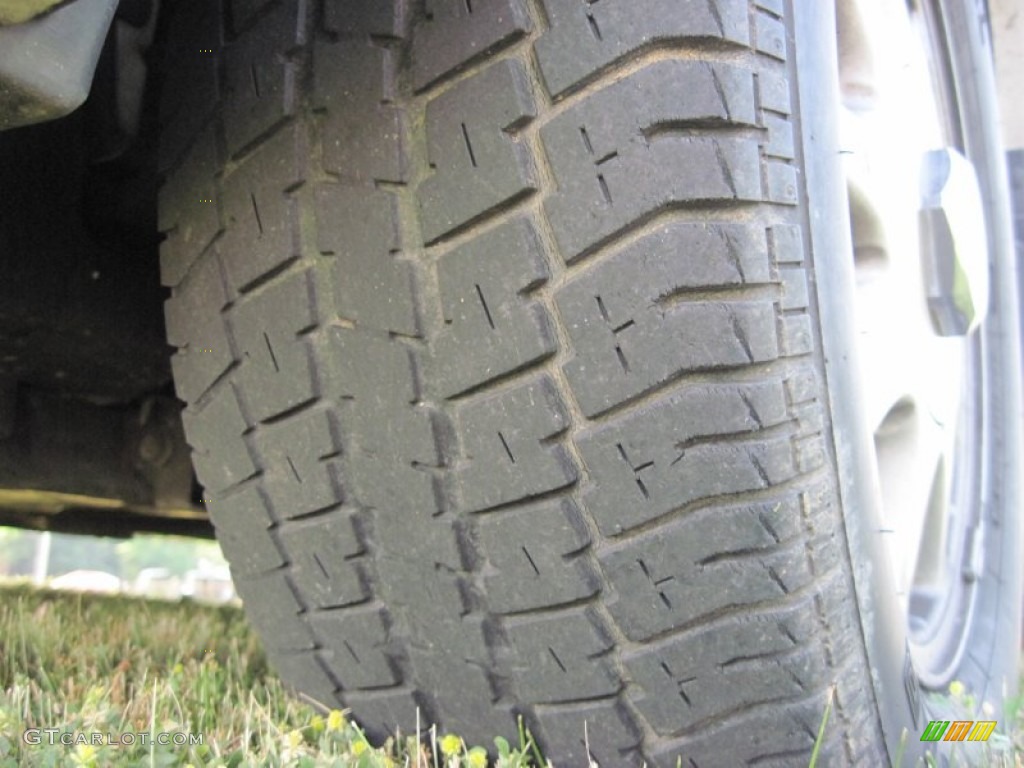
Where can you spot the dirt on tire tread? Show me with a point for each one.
(473, 303)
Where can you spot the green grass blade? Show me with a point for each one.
(821, 728)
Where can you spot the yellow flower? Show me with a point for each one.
(94, 696)
(358, 747)
(450, 745)
(294, 739)
(477, 758)
(335, 720)
(85, 755)
(317, 723)
(178, 669)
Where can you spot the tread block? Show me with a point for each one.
(562, 658)
(853, 698)
(242, 522)
(355, 647)
(490, 327)
(784, 729)
(385, 19)
(453, 670)
(780, 178)
(770, 36)
(780, 137)
(716, 669)
(295, 477)
(455, 32)
(674, 453)
(259, 76)
(271, 606)
(631, 328)
(630, 150)
(243, 11)
(830, 602)
(478, 166)
(809, 418)
(458, 640)
(774, 92)
(277, 370)
(322, 567)
(391, 449)
(214, 431)
(374, 379)
(802, 385)
(195, 326)
(261, 232)
(603, 726)
(358, 221)
(451, 660)
(653, 462)
(305, 673)
(427, 593)
(381, 712)
(585, 37)
(797, 335)
(794, 289)
(527, 553)
(430, 588)
(503, 461)
(191, 88)
(377, 293)
(189, 210)
(787, 245)
(361, 132)
(372, 288)
(725, 557)
(437, 600)
(810, 453)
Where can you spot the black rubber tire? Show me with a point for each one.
(497, 330)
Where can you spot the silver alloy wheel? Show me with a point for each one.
(921, 270)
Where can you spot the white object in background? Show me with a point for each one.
(1006, 18)
(41, 561)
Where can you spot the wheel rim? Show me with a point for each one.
(922, 389)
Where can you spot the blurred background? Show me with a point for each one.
(161, 567)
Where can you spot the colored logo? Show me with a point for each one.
(958, 730)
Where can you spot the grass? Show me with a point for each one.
(124, 666)
(1005, 747)
(148, 672)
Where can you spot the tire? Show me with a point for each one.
(498, 329)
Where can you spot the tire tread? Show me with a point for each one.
(580, 458)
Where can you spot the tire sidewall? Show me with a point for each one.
(990, 666)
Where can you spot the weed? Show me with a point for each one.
(91, 681)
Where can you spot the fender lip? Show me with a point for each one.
(47, 64)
